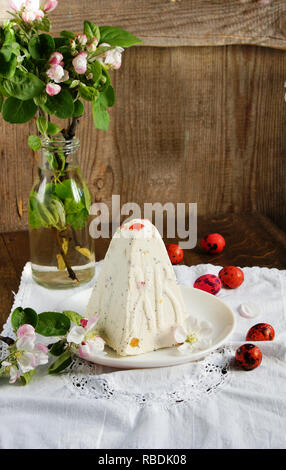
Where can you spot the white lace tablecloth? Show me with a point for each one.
(206, 404)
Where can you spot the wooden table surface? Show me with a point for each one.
(251, 240)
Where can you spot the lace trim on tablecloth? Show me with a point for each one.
(85, 380)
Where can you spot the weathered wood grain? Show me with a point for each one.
(251, 240)
(180, 22)
(9, 281)
(203, 125)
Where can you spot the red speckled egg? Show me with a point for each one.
(248, 356)
(260, 332)
(213, 243)
(209, 283)
(231, 277)
(175, 253)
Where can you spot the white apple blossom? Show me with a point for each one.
(195, 336)
(65, 77)
(26, 355)
(112, 58)
(16, 5)
(56, 73)
(84, 339)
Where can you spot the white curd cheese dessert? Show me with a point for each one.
(136, 295)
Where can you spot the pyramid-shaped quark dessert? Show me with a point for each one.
(136, 294)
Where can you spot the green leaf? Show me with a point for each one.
(58, 348)
(53, 129)
(35, 142)
(78, 220)
(49, 213)
(87, 196)
(23, 86)
(107, 97)
(96, 70)
(101, 50)
(73, 316)
(17, 112)
(87, 93)
(44, 24)
(72, 206)
(105, 80)
(40, 100)
(61, 105)
(1, 101)
(27, 376)
(52, 324)
(117, 37)
(52, 160)
(7, 67)
(8, 54)
(61, 363)
(57, 209)
(68, 189)
(22, 316)
(67, 34)
(78, 108)
(41, 47)
(100, 116)
(91, 30)
(42, 124)
(59, 42)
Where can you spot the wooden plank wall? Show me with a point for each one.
(191, 124)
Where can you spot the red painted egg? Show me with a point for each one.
(261, 332)
(175, 253)
(213, 243)
(209, 283)
(231, 277)
(248, 356)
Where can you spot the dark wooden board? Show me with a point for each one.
(204, 125)
(251, 240)
(179, 22)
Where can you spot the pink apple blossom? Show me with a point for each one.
(26, 330)
(56, 73)
(52, 89)
(28, 16)
(80, 63)
(82, 39)
(91, 47)
(50, 5)
(56, 58)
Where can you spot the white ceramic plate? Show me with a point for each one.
(198, 303)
